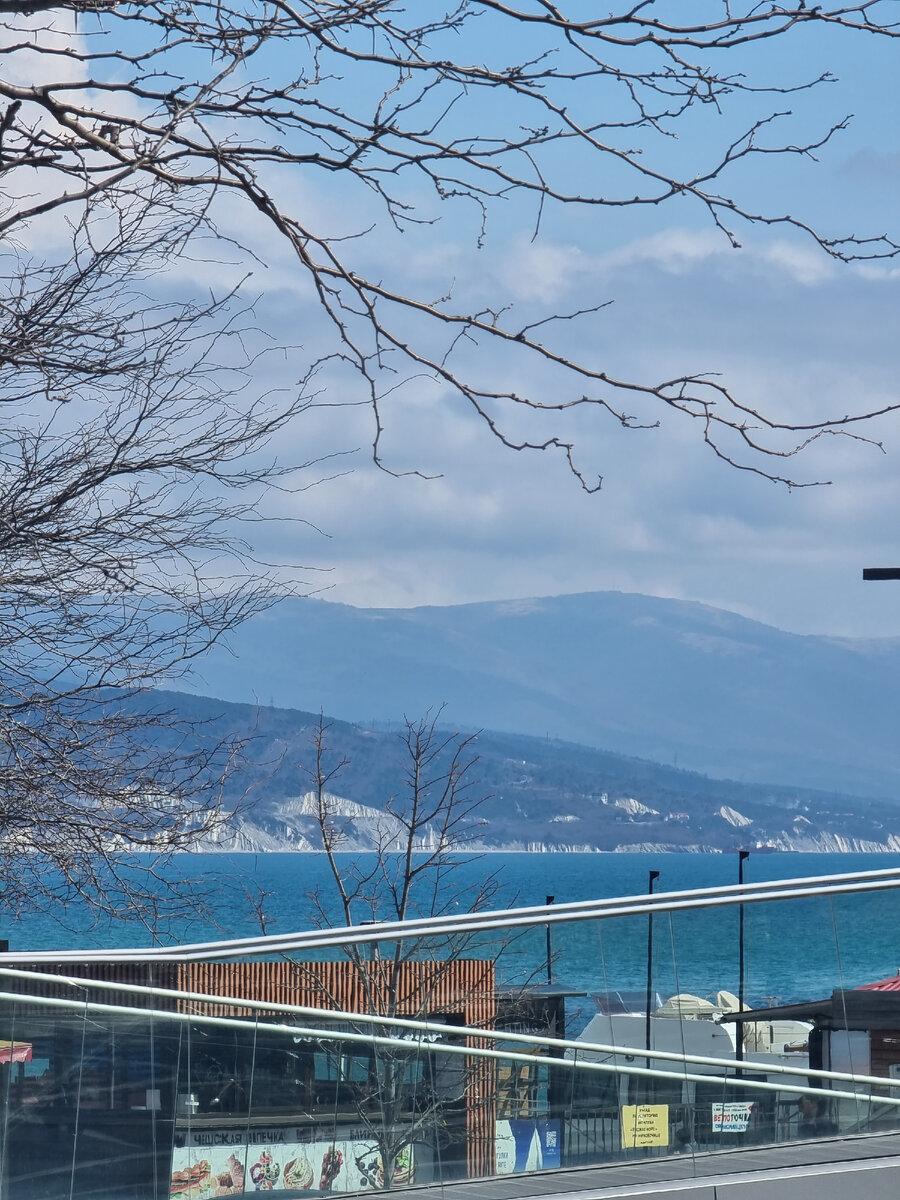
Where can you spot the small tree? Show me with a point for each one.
(424, 838)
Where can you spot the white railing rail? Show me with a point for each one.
(403, 1045)
(425, 1027)
(483, 922)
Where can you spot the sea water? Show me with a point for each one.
(793, 950)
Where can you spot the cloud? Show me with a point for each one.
(671, 518)
(804, 263)
(673, 250)
(544, 271)
(558, 273)
(29, 43)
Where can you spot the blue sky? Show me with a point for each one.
(788, 329)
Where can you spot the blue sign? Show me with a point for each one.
(527, 1146)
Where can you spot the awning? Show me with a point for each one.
(15, 1052)
(853, 1008)
(808, 1010)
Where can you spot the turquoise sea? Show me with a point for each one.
(795, 950)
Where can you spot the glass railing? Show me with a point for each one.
(379, 1058)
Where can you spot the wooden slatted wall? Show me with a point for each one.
(144, 974)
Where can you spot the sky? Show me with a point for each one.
(786, 327)
(457, 517)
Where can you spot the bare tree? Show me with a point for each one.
(421, 841)
(425, 835)
(130, 451)
(407, 114)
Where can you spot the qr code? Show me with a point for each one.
(551, 1139)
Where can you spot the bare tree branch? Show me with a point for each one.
(410, 114)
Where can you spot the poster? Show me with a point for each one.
(222, 1162)
(645, 1125)
(526, 1146)
(732, 1118)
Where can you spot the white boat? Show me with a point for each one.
(686, 1024)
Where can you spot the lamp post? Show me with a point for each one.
(654, 875)
(743, 855)
(549, 901)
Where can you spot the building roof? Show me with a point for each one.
(536, 991)
(882, 985)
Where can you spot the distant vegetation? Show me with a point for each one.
(541, 792)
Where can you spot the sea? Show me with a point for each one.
(793, 950)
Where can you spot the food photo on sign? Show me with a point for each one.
(222, 1163)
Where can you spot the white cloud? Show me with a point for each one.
(673, 250)
(805, 264)
(543, 271)
(29, 43)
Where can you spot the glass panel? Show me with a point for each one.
(99, 1103)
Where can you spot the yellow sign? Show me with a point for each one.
(645, 1125)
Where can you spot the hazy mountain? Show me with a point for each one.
(666, 680)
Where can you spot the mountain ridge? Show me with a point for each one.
(665, 680)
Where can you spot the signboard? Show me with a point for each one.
(732, 1118)
(526, 1146)
(224, 1162)
(645, 1125)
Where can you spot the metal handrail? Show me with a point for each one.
(454, 1050)
(425, 1027)
(475, 922)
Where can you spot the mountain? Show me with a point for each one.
(664, 680)
(537, 793)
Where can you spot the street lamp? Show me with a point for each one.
(654, 875)
(743, 855)
(549, 901)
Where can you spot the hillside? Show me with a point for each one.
(538, 793)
